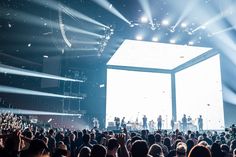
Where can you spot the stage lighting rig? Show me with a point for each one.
(108, 32)
(144, 19)
(144, 23)
(184, 25)
(133, 24)
(172, 29)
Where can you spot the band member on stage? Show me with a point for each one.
(95, 123)
(151, 125)
(123, 125)
(117, 122)
(200, 123)
(189, 119)
(172, 123)
(144, 122)
(159, 122)
(184, 123)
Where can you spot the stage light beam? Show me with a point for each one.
(17, 71)
(78, 30)
(106, 5)
(34, 20)
(54, 5)
(33, 112)
(85, 49)
(146, 7)
(224, 42)
(20, 59)
(185, 13)
(85, 42)
(223, 30)
(13, 90)
(216, 18)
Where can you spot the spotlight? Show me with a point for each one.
(99, 54)
(104, 44)
(49, 120)
(184, 25)
(139, 37)
(203, 27)
(101, 85)
(190, 43)
(153, 27)
(155, 39)
(144, 19)
(131, 25)
(172, 41)
(45, 56)
(108, 6)
(190, 33)
(165, 22)
(172, 30)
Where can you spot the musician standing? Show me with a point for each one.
(159, 122)
(123, 125)
(117, 122)
(95, 123)
(200, 123)
(184, 123)
(172, 123)
(144, 122)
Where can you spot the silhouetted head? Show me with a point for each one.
(86, 138)
(139, 149)
(98, 151)
(199, 151)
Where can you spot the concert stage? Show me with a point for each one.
(152, 79)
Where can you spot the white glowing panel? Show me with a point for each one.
(154, 55)
(135, 94)
(199, 92)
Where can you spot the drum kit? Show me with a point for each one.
(134, 126)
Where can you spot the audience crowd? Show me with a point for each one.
(17, 140)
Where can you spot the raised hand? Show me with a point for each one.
(121, 139)
(123, 150)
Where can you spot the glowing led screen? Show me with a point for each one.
(199, 92)
(132, 95)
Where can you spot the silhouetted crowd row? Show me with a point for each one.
(31, 142)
